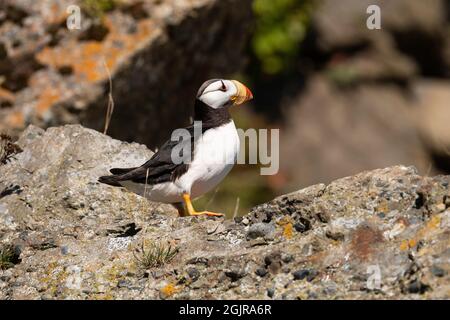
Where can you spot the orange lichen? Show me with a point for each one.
(287, 230)
(7, 95)
(169, 290)
(423, 233)
(86, 57)
(15, 119)
(404, 245)
(412, 243)
(408, 244)
(287, 226)
(46, 99)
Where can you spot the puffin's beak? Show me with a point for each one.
(243, 93)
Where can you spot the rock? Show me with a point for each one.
(432, 115)
(335, 235)
(301, 274)
(349, 19)
(273, 262)
(123, 284)
(286, 257)
(302, 226)
(312, 275)
(387, 89)
(437, 271)
(235, 275)
(260, 230)
(336, 135)
(193, 273)
(389, 53)
(65, 163)
(55, 76)
(418, 287)
(261, 272)
(57, 173)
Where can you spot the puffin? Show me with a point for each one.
(213, 153)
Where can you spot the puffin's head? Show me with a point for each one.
(218, 93)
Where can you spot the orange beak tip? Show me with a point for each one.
(249, 94)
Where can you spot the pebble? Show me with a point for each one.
(335, 235)
(417, 287)
(437, 271)
(440, 207)
(261, 272)
(234, 275)
(286, 269)
(193, 273)
(270, 292)
(312, 275)
(123, 283)
(309, 274)
(323, 217)
(300, 274)
(64, 250)
(286, 258)
(299, 227)
(260, 230)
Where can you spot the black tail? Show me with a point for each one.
(121, 170)
(111, 180)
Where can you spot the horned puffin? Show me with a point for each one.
(213, 153)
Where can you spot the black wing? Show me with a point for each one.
(160, 168)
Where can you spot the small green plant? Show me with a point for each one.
(342, 76)
(154, 255)
(97, 8)
(7, 148)
(8, 257)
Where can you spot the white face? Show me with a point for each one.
(218, 93)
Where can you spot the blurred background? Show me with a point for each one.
(344, 97)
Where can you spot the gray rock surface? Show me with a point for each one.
(379, 234)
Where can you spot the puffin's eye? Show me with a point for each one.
(224, 87)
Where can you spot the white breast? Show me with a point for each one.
(215, 155)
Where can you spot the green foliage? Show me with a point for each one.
(97, 8)
(8, 257)
(281, 26)
(342, 75)
(154, 255)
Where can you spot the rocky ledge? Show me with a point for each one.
(379, 234)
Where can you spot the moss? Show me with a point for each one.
(9, 256)
(7, 148)
(154, 255)
(343, 76)
(97, 8)
(55, 278)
